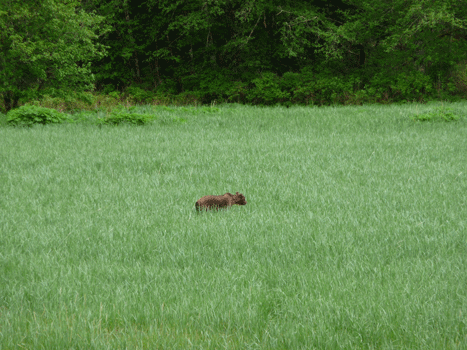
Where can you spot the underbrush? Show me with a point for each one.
(306, 87)
(29, 115)
(443, 114)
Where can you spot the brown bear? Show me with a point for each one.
(226, 200)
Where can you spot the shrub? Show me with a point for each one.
(215, 85)
(65, 101)
(290, 81)
(412, 85)
(29, 115)
(460, 77)
(237, 91)
(439, 114)
(109, 102)
(267, 90)
(121, 117)
(188, 98)
(323, 91)
(139, 95)
(3, 120)
(114, 94)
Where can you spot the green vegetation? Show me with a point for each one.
(262, 52)
(439, 114)
(116, 118)
(353, 235)
(29, 115)
(46, 46)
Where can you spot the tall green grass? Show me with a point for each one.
(354, 235)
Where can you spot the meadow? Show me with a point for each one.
(354, 235)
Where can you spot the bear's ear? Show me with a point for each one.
(236, 194)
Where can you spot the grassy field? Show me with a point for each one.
(354, 235)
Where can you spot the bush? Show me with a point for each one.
(412, 85)
(460, 77)
(122, 117)
(187, 98)
(3, 120)
(439, 114)
(65, 101)
(322, 90)
(267, 90)
(237, 92)
(139, 95)
(29, 115)
(215, 85)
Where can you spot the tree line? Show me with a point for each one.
(263, 52)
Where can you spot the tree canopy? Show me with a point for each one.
(225, 48)
(46, 44)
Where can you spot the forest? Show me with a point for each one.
(253, 52)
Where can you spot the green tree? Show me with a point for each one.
(221, 48)
(393, 34)
(46, 44)
(193, 42)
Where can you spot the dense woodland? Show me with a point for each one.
(259, 52)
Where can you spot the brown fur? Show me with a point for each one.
(226, 200)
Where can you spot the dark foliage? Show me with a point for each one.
(259, 52)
